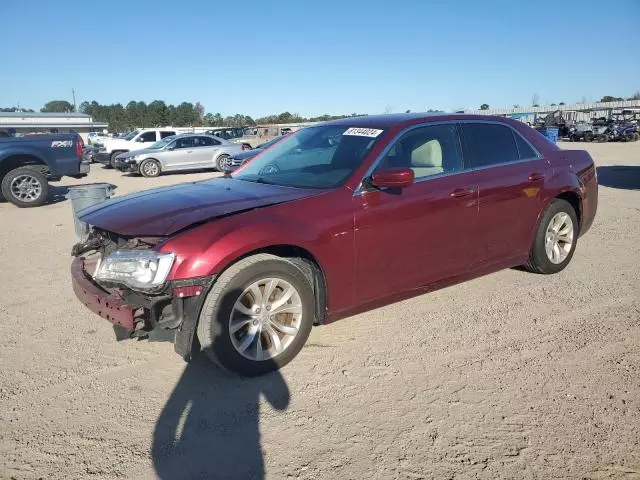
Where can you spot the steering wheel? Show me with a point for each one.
(269, 169)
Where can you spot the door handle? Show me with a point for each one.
(534, 177)
(462, 192)
(189, 151)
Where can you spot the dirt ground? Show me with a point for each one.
(512, 375)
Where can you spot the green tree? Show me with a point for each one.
(57, 106)
(635, 96)
(609, 98)
(484, 106)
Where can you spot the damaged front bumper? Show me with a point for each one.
(170, 314)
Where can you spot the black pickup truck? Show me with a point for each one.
(28, 164)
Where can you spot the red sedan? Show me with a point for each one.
(333, 220)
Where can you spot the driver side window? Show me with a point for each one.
(428, 151)
(147, 137)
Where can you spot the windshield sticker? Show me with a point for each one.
(363, 132)
(62, 143)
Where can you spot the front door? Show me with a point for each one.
(510, 175)
(409, 238)
(179, 155)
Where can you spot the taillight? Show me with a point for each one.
(79, 146)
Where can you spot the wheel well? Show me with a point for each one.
(574, 199)
(15, 161)
(310, 267)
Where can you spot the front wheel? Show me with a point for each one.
(257, 316)
(555, 239)
(25, 187)
(150, 168)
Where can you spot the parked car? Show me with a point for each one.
(243, 157)
(248, 137)
(337, 219)
(180, 152)
(107, 151)
(29, 163)
(96, 137)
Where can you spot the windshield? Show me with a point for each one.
(130, 135)
(162, 143)
(315, 157)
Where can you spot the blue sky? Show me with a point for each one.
(319, 56)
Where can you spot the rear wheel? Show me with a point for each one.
(257, 316)
(150, 168)
(555, 239)
(588, 137)
(223, 162)
(25, 187)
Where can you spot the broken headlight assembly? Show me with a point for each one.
(137, 269)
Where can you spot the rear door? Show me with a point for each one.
(205, 151)
(510, 175)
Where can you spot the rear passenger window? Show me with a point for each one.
(427, 151)
(488, 144)
(166, 134)
(524, 149)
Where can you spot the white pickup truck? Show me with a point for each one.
(107, 151)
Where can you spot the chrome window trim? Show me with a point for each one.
(359, 190)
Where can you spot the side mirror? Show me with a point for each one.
(392, 178)
(171, 147)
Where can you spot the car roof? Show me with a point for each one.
(183, 135)
(400, 119)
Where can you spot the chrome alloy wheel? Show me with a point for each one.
(26, 188)
(150, 169)
(558, 238)
(265, 319)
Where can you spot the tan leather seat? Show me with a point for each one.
(427, 159)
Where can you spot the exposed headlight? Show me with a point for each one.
(138, 269)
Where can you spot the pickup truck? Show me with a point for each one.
(28, 164)
(106, 151)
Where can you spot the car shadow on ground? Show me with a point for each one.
(626, 177)
(209, 427)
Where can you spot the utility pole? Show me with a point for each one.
(73, 92)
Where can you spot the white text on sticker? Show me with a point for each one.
(363, 132)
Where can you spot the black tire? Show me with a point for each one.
(588, 137)
(213, 326)
(35, 173)
(221, 162)
(539, 262)
(601, 138)
(636, 136)
(150, 168)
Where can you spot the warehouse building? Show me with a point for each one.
(24, 123)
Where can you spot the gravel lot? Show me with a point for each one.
(512, 375)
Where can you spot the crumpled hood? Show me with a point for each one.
(166, 210)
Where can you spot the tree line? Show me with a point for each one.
(157, 113)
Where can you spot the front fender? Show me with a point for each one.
(41, 155)
(210, 248)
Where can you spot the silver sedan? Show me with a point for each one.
(187, 151)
